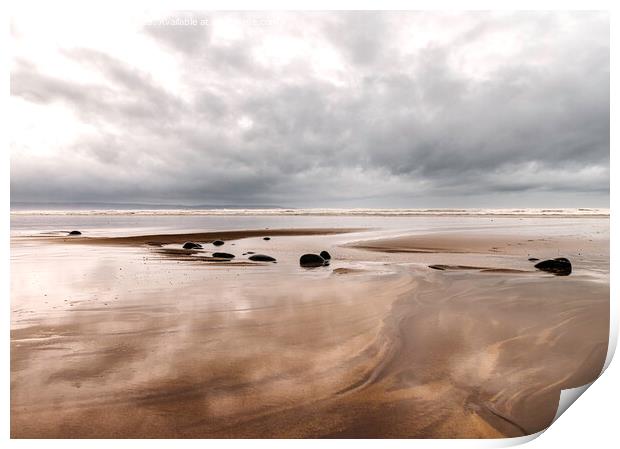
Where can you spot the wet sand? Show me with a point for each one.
(116, 337)
(203, 237)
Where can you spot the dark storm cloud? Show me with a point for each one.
(396, 128)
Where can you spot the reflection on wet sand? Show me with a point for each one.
(155, 342)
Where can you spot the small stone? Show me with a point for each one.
(75, 233)
(437, 267)
(218, 243)
(223, 255)
(261, 258)
(325, 255)
(192, 245)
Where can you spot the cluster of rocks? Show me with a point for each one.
(307, 260)
(227, 256)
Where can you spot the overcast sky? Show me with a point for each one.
(312, 109)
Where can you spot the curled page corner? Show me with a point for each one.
(613, 334)
(568, 397)
(509, 442)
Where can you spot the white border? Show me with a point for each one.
(591, 422)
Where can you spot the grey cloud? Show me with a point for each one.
(406, 129)
(28, 83)
(362, 36)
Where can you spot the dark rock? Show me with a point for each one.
(560, 266)
(266, 238)
(223, 255)
(218, 243)
(437, 267)
(533, 259)
(312, 260)
(250, 252)
(75, 233)
(325, 255)
(261, 258)
(192, 245)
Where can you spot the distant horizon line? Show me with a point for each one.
(156, 206)
(280, 211)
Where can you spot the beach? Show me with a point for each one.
(427, 325)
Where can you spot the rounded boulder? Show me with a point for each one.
(325, 255)
(560, 266)
(311, 260)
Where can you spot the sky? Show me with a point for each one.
(315, 109)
